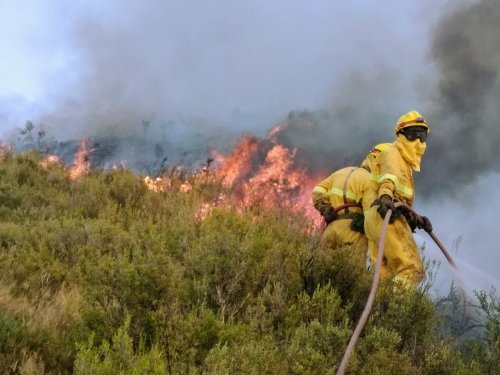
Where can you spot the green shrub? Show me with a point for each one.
(256, 356)
(314, 347)
(201, 289)
(13, 334)
(16, 341)
(118, 357)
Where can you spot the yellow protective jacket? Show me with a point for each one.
(393, 175)
(347, 185)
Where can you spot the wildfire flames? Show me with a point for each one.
(81, 165)
(264, 174)
(82, 161)
(261, 173)
(49, 160)
(156, 184)
(4, 150)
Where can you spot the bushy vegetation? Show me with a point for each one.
(101, 275)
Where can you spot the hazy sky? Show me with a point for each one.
(92, 63)
(84, 68)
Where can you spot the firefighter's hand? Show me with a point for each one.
(411, 219)
(328, 212)
(425, 224)
(386, 203)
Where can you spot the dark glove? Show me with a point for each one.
(425, 224)
(328, 212)
(411, 219)
(386, 204)
(358, 223)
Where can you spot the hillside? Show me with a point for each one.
(103, 274)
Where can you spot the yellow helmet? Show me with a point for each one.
(368, 162)
(412, 118)
(379, 148)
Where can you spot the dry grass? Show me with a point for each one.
(31, 365)
(54, 312)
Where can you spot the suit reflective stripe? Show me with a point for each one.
(346, 193)
(405, 190)
(349, 194)
(319, 189)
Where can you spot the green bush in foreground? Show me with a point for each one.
(117, 357)
(100, 275)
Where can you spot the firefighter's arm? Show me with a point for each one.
(388, 175)
(321, 200)
(320, 194)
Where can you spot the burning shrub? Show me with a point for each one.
(263, 174)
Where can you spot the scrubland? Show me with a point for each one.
(101, 275)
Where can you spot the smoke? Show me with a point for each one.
(460, 171)
(460, 91)
(465, 114)
(192, 73)
(469, 230)
(218, 68)
(462, 150)
(359, 116)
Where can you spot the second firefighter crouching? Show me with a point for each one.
(347, 185)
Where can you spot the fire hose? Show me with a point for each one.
(371, 297)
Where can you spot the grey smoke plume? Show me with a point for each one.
(466, 115)
(192, 75)
(463, 148)
(358, 117)
(226, 66)
(463, 111)
(460, 171)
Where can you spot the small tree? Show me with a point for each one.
(34, 138)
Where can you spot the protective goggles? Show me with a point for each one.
(413, 134)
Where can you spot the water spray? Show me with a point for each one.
(371, 297)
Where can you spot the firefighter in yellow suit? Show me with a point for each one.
(392, 181)
(347, 185)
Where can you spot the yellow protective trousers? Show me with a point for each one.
(347, 185)
(339, 233)
(401, 257)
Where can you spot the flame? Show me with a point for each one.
(122, 167)
(239, 164)
(274, 180)
(262, 173)
(276, 129)
(171, 176)
(82, 161)
(186, 187)
(50, 160)
(157, 184)
(162, 184)
(4, 150)
(207, 207)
